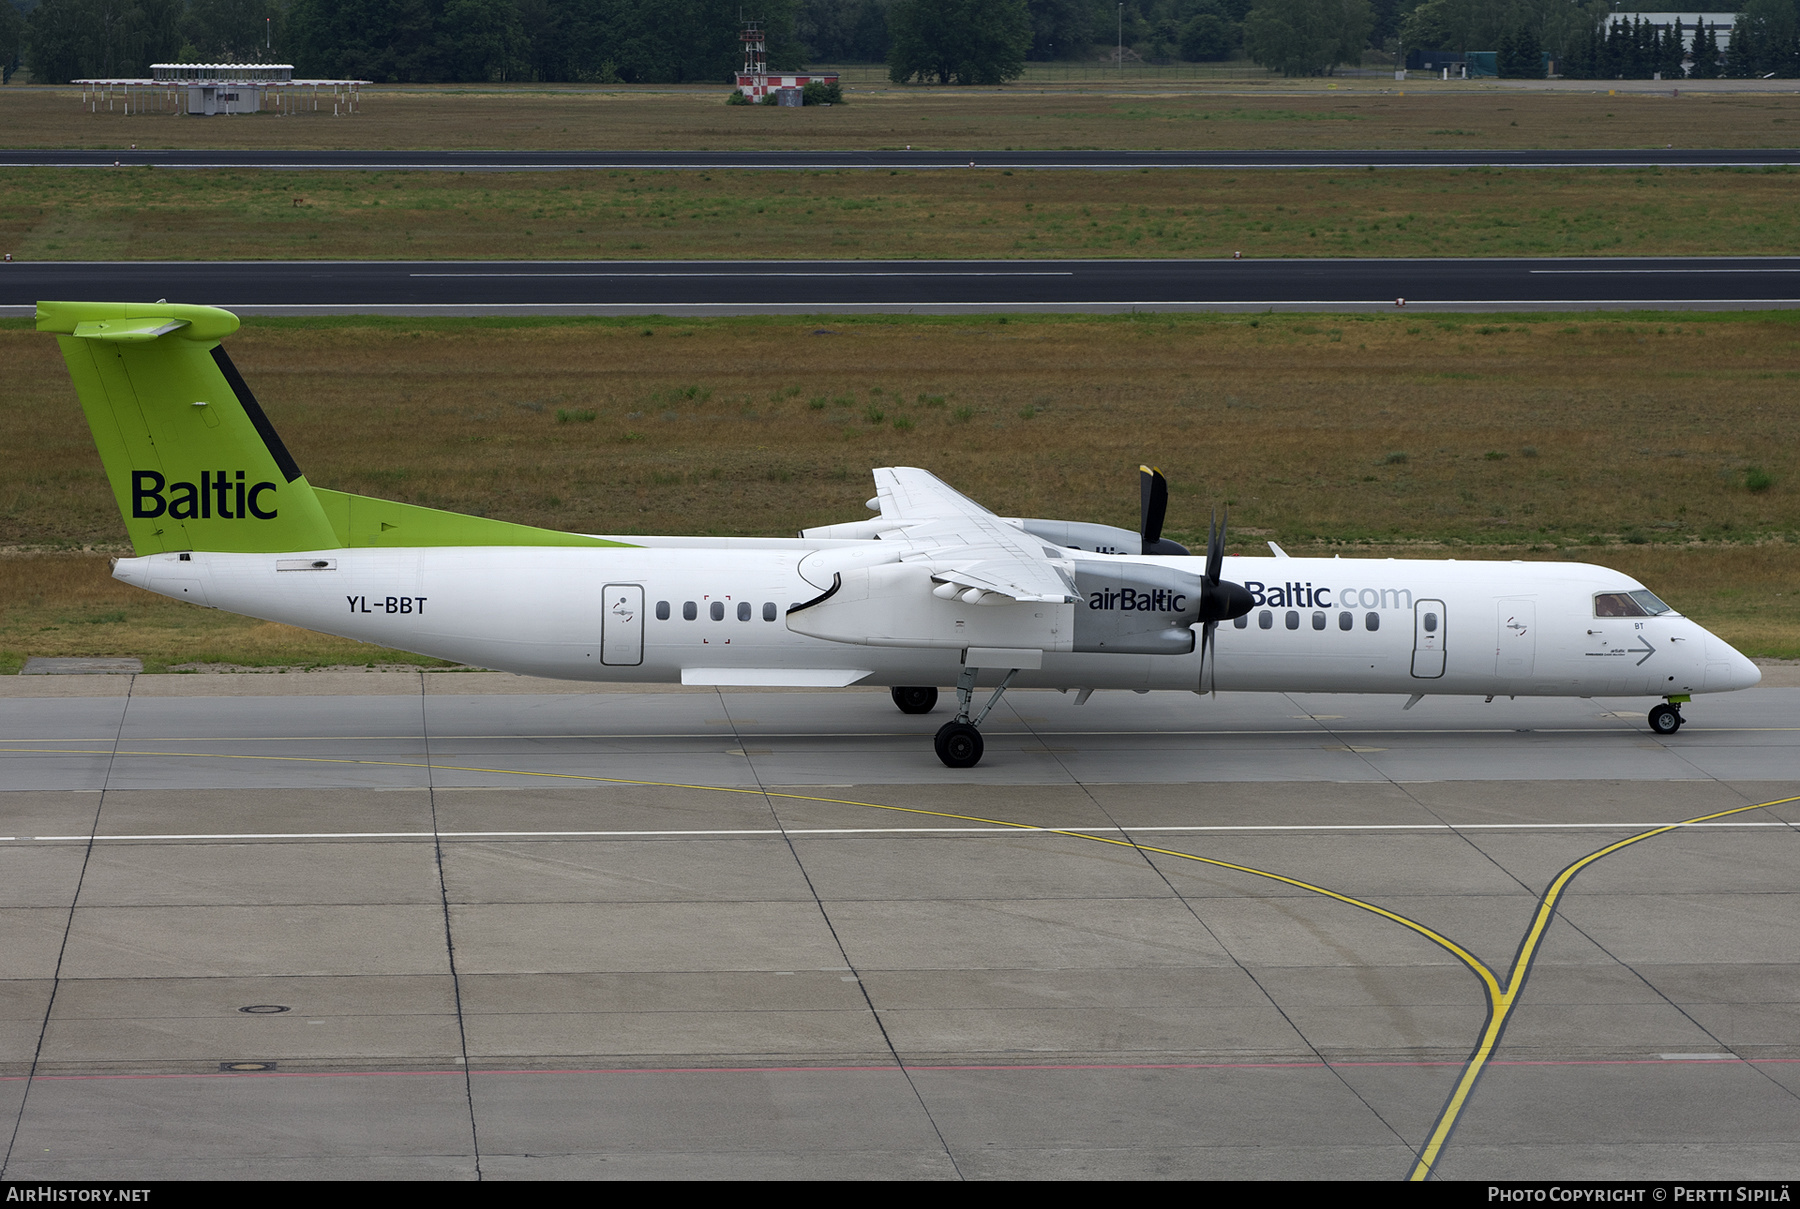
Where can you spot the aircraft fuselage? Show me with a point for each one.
(706, 611)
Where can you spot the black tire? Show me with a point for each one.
(915, 700)
(1665, 719)
(959, 745)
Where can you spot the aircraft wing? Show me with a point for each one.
(967, 545)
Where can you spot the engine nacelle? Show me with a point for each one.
(1100, 539)
(1135, 609)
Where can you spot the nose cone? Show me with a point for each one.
(1227, 602)
(1726, 669)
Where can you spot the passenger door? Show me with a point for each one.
(1515, 638)
(622, 625)
(1428, 639)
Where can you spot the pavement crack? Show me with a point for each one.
(1220, 941)
(87, 855)
(862, 985)
(437, 849)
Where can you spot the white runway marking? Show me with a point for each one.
(753, 276)
(756, 832)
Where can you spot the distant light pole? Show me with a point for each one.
(1121, 40)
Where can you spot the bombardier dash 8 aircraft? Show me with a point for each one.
(935, 590)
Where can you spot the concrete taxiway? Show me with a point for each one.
(454, 924)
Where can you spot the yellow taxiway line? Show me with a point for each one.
(1501, 1001)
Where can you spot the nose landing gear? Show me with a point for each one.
(958, 742)
(1666, 719)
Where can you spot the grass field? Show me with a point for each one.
(139, 214)
(1664, 445)
(1245, 113)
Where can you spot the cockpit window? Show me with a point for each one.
(1629, 604)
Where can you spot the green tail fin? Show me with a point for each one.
(196, 465)
(193, 461)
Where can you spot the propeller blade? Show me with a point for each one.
(1206, 665)
(1215, 547)
(1153, 492)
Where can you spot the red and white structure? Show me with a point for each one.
(755, 82)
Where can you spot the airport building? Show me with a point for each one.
(211, 89)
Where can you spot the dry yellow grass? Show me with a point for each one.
(1247, 113)
(1617, 439)
(73, 214)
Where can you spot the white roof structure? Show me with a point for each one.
(210, 74)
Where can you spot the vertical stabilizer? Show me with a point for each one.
(193, 461)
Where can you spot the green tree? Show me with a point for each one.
(234, 31)
(842, 31)
(1740, 53)
(83, 39)
(12, 39)
(958, 41)
(1562, 26)
(1307, 37)
(1773, 26)
(1065, 29)
(1209, 36)
(1520, 56)
(1705, 54)
(479, 40)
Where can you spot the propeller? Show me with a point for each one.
(1221, 599)
(1153, 493)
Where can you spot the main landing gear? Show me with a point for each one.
(1666, 719)
(914, 700)
(958, 742)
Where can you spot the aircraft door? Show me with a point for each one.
(622, 625)
(1515, 639)
(1428, 639)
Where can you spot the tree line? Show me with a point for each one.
(928, 41)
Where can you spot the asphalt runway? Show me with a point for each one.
(357, 925)
(914, 287)
(890, 159)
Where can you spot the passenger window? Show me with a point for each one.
(662, 610)
(1431, 623)
(1373, 621)
(1240, 622)
(1346, 621)
(718, 610)
(1265, 619)
(688, 612)
(1293, 620)
(769, 610)
(743, 610)
(1318, 621)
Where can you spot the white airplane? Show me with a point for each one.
(935, 590)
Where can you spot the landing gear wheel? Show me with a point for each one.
(1665, 719)
(915, 700)
(959, 745)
